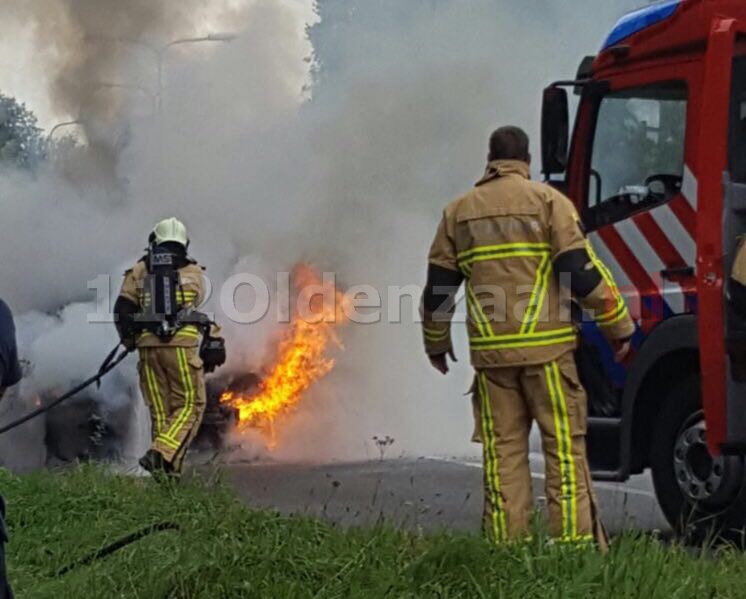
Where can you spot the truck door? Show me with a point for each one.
(640, 212)
(721, 219)
(734, 227)
(640, 205)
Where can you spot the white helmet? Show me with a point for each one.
(170, 229)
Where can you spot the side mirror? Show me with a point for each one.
(555, 131)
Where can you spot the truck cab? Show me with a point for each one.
(656, 166)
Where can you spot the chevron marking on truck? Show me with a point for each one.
(651, 261)
(675, 232)
(640, 248)
(689, 187)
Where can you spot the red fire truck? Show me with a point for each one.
(656, 166)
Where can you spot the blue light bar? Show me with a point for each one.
(641, 19)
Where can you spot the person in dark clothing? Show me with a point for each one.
(10, 374)
(10, 369)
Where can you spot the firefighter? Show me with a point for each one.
(10, 374)
(156, 313)
(520, 250)
(736, 341)
(737, 287)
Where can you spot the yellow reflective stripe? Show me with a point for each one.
(185, 333)
(538, 295)
(568, 483)
(180, 333)
(172, 443)
(155, 398)
(606, 276)
(518, 337)
(491, 465)
(505, 247)
(186, 381)
(543, 293)
(188, 391)
(467, 264)
(524, 344)
(477, 314)
(622, 315)
(613, 316)
(435, 334)
(190, 328)
(504, 255)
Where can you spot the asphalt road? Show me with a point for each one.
(427, 494)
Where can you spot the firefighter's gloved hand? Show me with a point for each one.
(621, 348)
(440, 361)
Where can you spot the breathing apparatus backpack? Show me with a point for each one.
(160, 311)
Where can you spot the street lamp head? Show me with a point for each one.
(222, 37)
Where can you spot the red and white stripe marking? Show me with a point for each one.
(639, 248)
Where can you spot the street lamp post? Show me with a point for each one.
(159, 52)
(99, 86)
(61, 125)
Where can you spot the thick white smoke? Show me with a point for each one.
(350, 176)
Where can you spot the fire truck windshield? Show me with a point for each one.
(638, 148)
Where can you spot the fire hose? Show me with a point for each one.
(109, 364)
(116, 546)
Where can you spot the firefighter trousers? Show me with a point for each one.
(506, 401)
(173, 385)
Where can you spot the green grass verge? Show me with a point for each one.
(222, 549)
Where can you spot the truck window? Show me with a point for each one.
(638, 150)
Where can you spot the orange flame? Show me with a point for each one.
(302, 355)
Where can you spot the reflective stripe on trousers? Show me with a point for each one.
(506, 402)
(172, 382)
(491, 463)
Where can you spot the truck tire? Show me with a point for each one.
(702, 497)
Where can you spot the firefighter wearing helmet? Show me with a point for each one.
(520, 250)
(156, 312)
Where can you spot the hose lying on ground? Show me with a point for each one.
(116, 545)
(109, 364)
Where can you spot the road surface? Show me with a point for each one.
(426, 493)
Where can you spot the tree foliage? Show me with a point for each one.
(21, 140)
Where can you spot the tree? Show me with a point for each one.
(340, 23)
(21, 141)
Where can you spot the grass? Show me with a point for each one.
(221, 549)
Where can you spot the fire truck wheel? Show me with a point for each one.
(702, 497)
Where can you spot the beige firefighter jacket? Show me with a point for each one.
(504, 236)
(190, 294)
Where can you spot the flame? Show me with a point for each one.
(302, 354)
